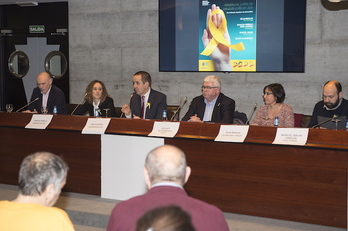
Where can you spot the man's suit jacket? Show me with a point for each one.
(157, 102)
(88, 107)
(55, 98)
(203, 215)
(222, 112)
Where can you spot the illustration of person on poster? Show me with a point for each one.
(217, 52)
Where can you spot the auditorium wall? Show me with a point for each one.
(112, 39)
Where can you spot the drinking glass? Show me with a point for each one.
(44, 110)
(106, 111)
(9, 107)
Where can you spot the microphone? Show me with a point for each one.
(177, 110)
(28, 104)
(83, 99)
(252, 113)
(129, 104)
(325, 121)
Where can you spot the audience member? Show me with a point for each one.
(169, 218)
(97, 100)
(165, 174)
(332, 104)
(42, 175)
(273, 96)
(47, 95)
(146, 103)
(212, 105)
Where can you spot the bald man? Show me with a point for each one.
(332, 104)
(165, 174)
(47, 95)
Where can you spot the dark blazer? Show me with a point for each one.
(55, 98)
(204, 216)
(157, 103)
(222, 113)
(88, 107)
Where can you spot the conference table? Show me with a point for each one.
(304, 183)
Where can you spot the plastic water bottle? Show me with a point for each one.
(96, 113)
(276, 121)
(55, 110)
(347, 125)
(164, 115)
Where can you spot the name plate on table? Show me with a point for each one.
(96, 126)
(39, 121)
(165, 129)
(291, 136)
(232, 133)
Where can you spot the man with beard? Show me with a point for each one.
(333, 104)
(212, 105)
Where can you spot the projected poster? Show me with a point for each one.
(227, 37)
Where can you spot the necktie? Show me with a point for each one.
(142, 106)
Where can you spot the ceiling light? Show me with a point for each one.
(23, 4)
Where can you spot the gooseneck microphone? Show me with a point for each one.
(325, 121)
(128, 104)
(252, 113)
(179, 108)
(83, 99)
(28, 104)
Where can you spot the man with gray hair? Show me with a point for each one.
(212, 105)
(42, 175)
(165, 174)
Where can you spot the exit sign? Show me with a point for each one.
(37, 29)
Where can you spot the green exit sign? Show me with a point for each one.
(37, 29)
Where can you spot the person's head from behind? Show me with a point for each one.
(166, 163)
(96, 91)
(332, 93)
(211, 87)
(168, 218)
(44, 82)
(273, 93)
(141, 82)
(42, 173)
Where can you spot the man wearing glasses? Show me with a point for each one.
(332, 111)
(212, 105)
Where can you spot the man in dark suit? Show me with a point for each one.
(146, 103)
(46, 94)
(165, 174)
(212, 105)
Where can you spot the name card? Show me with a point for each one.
(39, 121)
(96, 126)
(291, 136)
(232, 133)
(165, 129)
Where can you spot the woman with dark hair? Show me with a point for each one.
(167, 218)
(97, 101)
(273, 96)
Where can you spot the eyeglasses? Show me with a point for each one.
(268, 93)
(207, 87)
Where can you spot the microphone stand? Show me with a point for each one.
(325, 121)
(28, 104)
(177, 110)
(72, 113)
(252, 113)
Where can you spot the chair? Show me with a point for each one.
(239, 118)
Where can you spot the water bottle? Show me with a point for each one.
(55, 110)
(347, 125)
(164, 115)
(276, 121)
